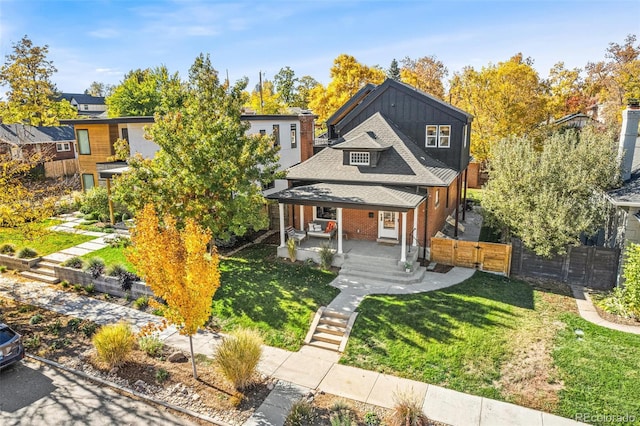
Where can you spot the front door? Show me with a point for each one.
(388, 225)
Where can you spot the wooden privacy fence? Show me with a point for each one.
(591, 266)
(490, 257)
(53, 169)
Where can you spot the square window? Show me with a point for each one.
(263, 132)
(294, 136)
(63, 146)
(87, 181)
(432, 136)
(84, 148)
(325, 213)
(444, 136)
(359, 158)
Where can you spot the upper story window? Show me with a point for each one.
(438, 136)
(63, 146)
(357, 158)
(294, 136)
(263, 132)
(83, 142)
(125, 133)
(86, 107)
(276, 134)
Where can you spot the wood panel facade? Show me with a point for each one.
(101, 139)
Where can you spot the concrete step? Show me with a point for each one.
(330, 329)
(47, 264)
(327, 338)
(379, 272)
(43, 270)
(335, 314)
(39, 277)
(55, 258)
(336, 322)
(324, 345)
(391, 278)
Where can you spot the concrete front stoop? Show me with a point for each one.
(330, 329)
(373, 270)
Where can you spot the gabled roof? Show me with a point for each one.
(365, 141)
(351, 104)
(403, 163)
(19, 134)
(82, 98)
(367, 98)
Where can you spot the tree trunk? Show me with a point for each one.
(193, 359)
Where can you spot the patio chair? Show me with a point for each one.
(295, 235)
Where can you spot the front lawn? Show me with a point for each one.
(500, 338)
(111, 256)
(43, 241)
(277, 297)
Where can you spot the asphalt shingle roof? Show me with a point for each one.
(403, 163)
(348, 195)
(21, 134)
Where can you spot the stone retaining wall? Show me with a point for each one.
(18, 264)
(109, 285)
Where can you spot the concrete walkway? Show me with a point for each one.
(588, 312)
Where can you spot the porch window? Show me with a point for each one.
(358, 158)
(325, 213)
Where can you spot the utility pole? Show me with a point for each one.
(261, 101)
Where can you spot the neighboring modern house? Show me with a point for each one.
(95, 138)
(575, 121)
(626, 199)
(20, 140)
(392, 173)
(86, 105)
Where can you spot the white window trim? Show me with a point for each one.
(354, 159)
(437, 140)
(66, 146)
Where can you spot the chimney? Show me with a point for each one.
(628, 137)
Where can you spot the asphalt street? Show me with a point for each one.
(32, 393)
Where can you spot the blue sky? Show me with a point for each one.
(100, 40)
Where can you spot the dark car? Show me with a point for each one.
(11, 349)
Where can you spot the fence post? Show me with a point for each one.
(565, 265)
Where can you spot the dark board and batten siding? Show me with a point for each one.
(412, 112)
(595, 267)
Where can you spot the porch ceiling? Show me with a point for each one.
(351, 196)
(109, 173)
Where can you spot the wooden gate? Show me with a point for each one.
(471, 254)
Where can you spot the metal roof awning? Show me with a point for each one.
(351, 196)
(109, 173)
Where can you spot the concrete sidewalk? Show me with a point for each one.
(308, 369)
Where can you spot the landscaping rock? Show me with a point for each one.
(177, 356)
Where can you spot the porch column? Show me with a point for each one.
(414, 231)
(281, 211)
(302, 217)
(403, 253)
(111, 218)
(339, 217)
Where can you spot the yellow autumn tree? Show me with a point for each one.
(347, 77)
(177, 266)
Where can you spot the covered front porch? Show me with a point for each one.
(375, 219)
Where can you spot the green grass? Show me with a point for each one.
(111, 256)
(474, 194)
(43, 241)
(470, 336)
(601, 372)
(276, 297)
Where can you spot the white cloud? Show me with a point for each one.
(105, 33)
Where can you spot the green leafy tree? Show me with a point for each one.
(31, 95)
(208, 169)
(142, 92)
(507, 99)
(99, 89)
(394, 70)
(565, 91)
(285, 84)
(347, 77)
(426, 74)
(549, 198)
(306, 83)
(631, 291)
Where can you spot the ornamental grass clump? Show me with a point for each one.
(27, 253)
(95, 267)
(407, 411)
(238, 356)
(114, 343)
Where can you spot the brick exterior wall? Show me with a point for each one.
(359, 226)
(306, 136)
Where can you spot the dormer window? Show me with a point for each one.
(438, 136)
(359, 158)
